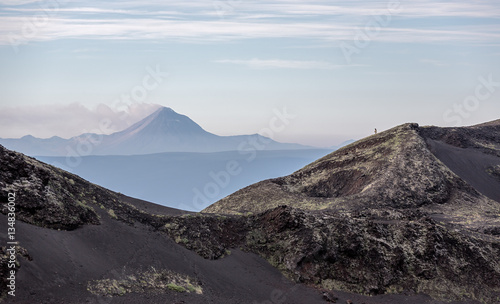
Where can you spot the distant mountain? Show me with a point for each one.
(185, 180)
(163, 131)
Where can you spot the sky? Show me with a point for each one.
(338, 69)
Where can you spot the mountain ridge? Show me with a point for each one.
(162, 131)
(355, 178)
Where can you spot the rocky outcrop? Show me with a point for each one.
(367, 254)
(391, 172)
(373, 256)
(385, 214)
(392, 169)
(45, 196)
(50, 197)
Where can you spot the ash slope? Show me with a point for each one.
(109, 248)
(76, 237)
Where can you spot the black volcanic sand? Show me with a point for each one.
(471, 165)
(63, 262)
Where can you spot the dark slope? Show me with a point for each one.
(65, 263)
(104, 236)
(133, 252)
(480, 170)
(121, 252)
(386, 214)
(162, 131)
(383, 170)
(49, 197)
(473, 153)
(393, 170)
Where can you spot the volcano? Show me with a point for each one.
(163, 131)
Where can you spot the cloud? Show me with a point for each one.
(11, 31)
(18, 2)
(420, 9)
(68, 120)
(201, 21)
(256, 63)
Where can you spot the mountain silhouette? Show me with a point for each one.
(163, 131)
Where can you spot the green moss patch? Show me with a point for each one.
(158, 281)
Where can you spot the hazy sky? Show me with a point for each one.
(341, 67)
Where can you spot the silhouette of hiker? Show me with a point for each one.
(375, 130)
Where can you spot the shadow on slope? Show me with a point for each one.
(473, 153)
